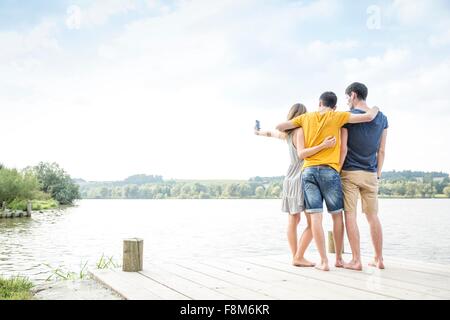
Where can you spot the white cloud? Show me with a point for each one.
(24, 55)
(97, 13)
(439, 40)
(379, 67)
(422, 12)
(16, 45)
(333, 46)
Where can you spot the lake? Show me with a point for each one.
(417, 229)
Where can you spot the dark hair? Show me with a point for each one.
(329, 99)
(358, 88)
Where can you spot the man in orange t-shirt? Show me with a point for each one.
(320, 175)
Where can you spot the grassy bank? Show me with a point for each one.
(36, 204)
(16, 288)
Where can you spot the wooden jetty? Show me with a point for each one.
(6, 213)
(272, 277)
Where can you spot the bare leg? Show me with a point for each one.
(293, 221)
(351, 225)
(303, 243)
(377, 240)
(319, 238)
(338, 233)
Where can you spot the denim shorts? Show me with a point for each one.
(322, 183)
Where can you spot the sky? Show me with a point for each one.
(112, 88)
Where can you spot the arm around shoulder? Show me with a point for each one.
(284, 126)
(365, 117)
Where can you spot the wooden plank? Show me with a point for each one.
(367, 280)
(125, 288)
(426, 267)
(135, 286)
(396, 272)
(154, 287)
(186, 286)
(214, 282)
(384, 277)
(272, 277)
(391, 266)
(416, 265)
(272, 290)
(315, 286)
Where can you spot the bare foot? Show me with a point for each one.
(353, 265)
(302, 262)
(377, 263)
(339, 263)
(323, 266)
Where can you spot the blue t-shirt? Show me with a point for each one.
(363, 143)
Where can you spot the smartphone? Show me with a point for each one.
(257, 125)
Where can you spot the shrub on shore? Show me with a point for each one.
(35, 204)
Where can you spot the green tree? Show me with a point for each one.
(400, 188)
(198, 187)
(231, 190)
(215, 190)
(259, 192)
(276, 191)
(245, 190)
(132, 191)
(386, 189)
(117, 193)
(440, 185)
(146, 191)
(186, 190)
(18, 185)
(176, 190)
(55, 181)
(411, 188)
(447, 191)
(105, 193)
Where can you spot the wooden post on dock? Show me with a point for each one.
(3, 205)
(29, 208)
(133, 258)
(331, 248)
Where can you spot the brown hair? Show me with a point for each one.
(296, 110)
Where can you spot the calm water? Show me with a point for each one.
(414, 229)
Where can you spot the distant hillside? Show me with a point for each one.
(414, 175)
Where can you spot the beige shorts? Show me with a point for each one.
(355, 183)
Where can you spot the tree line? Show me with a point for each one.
(183, 190)
(394, 184)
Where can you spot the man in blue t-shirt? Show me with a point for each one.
(362, 156)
